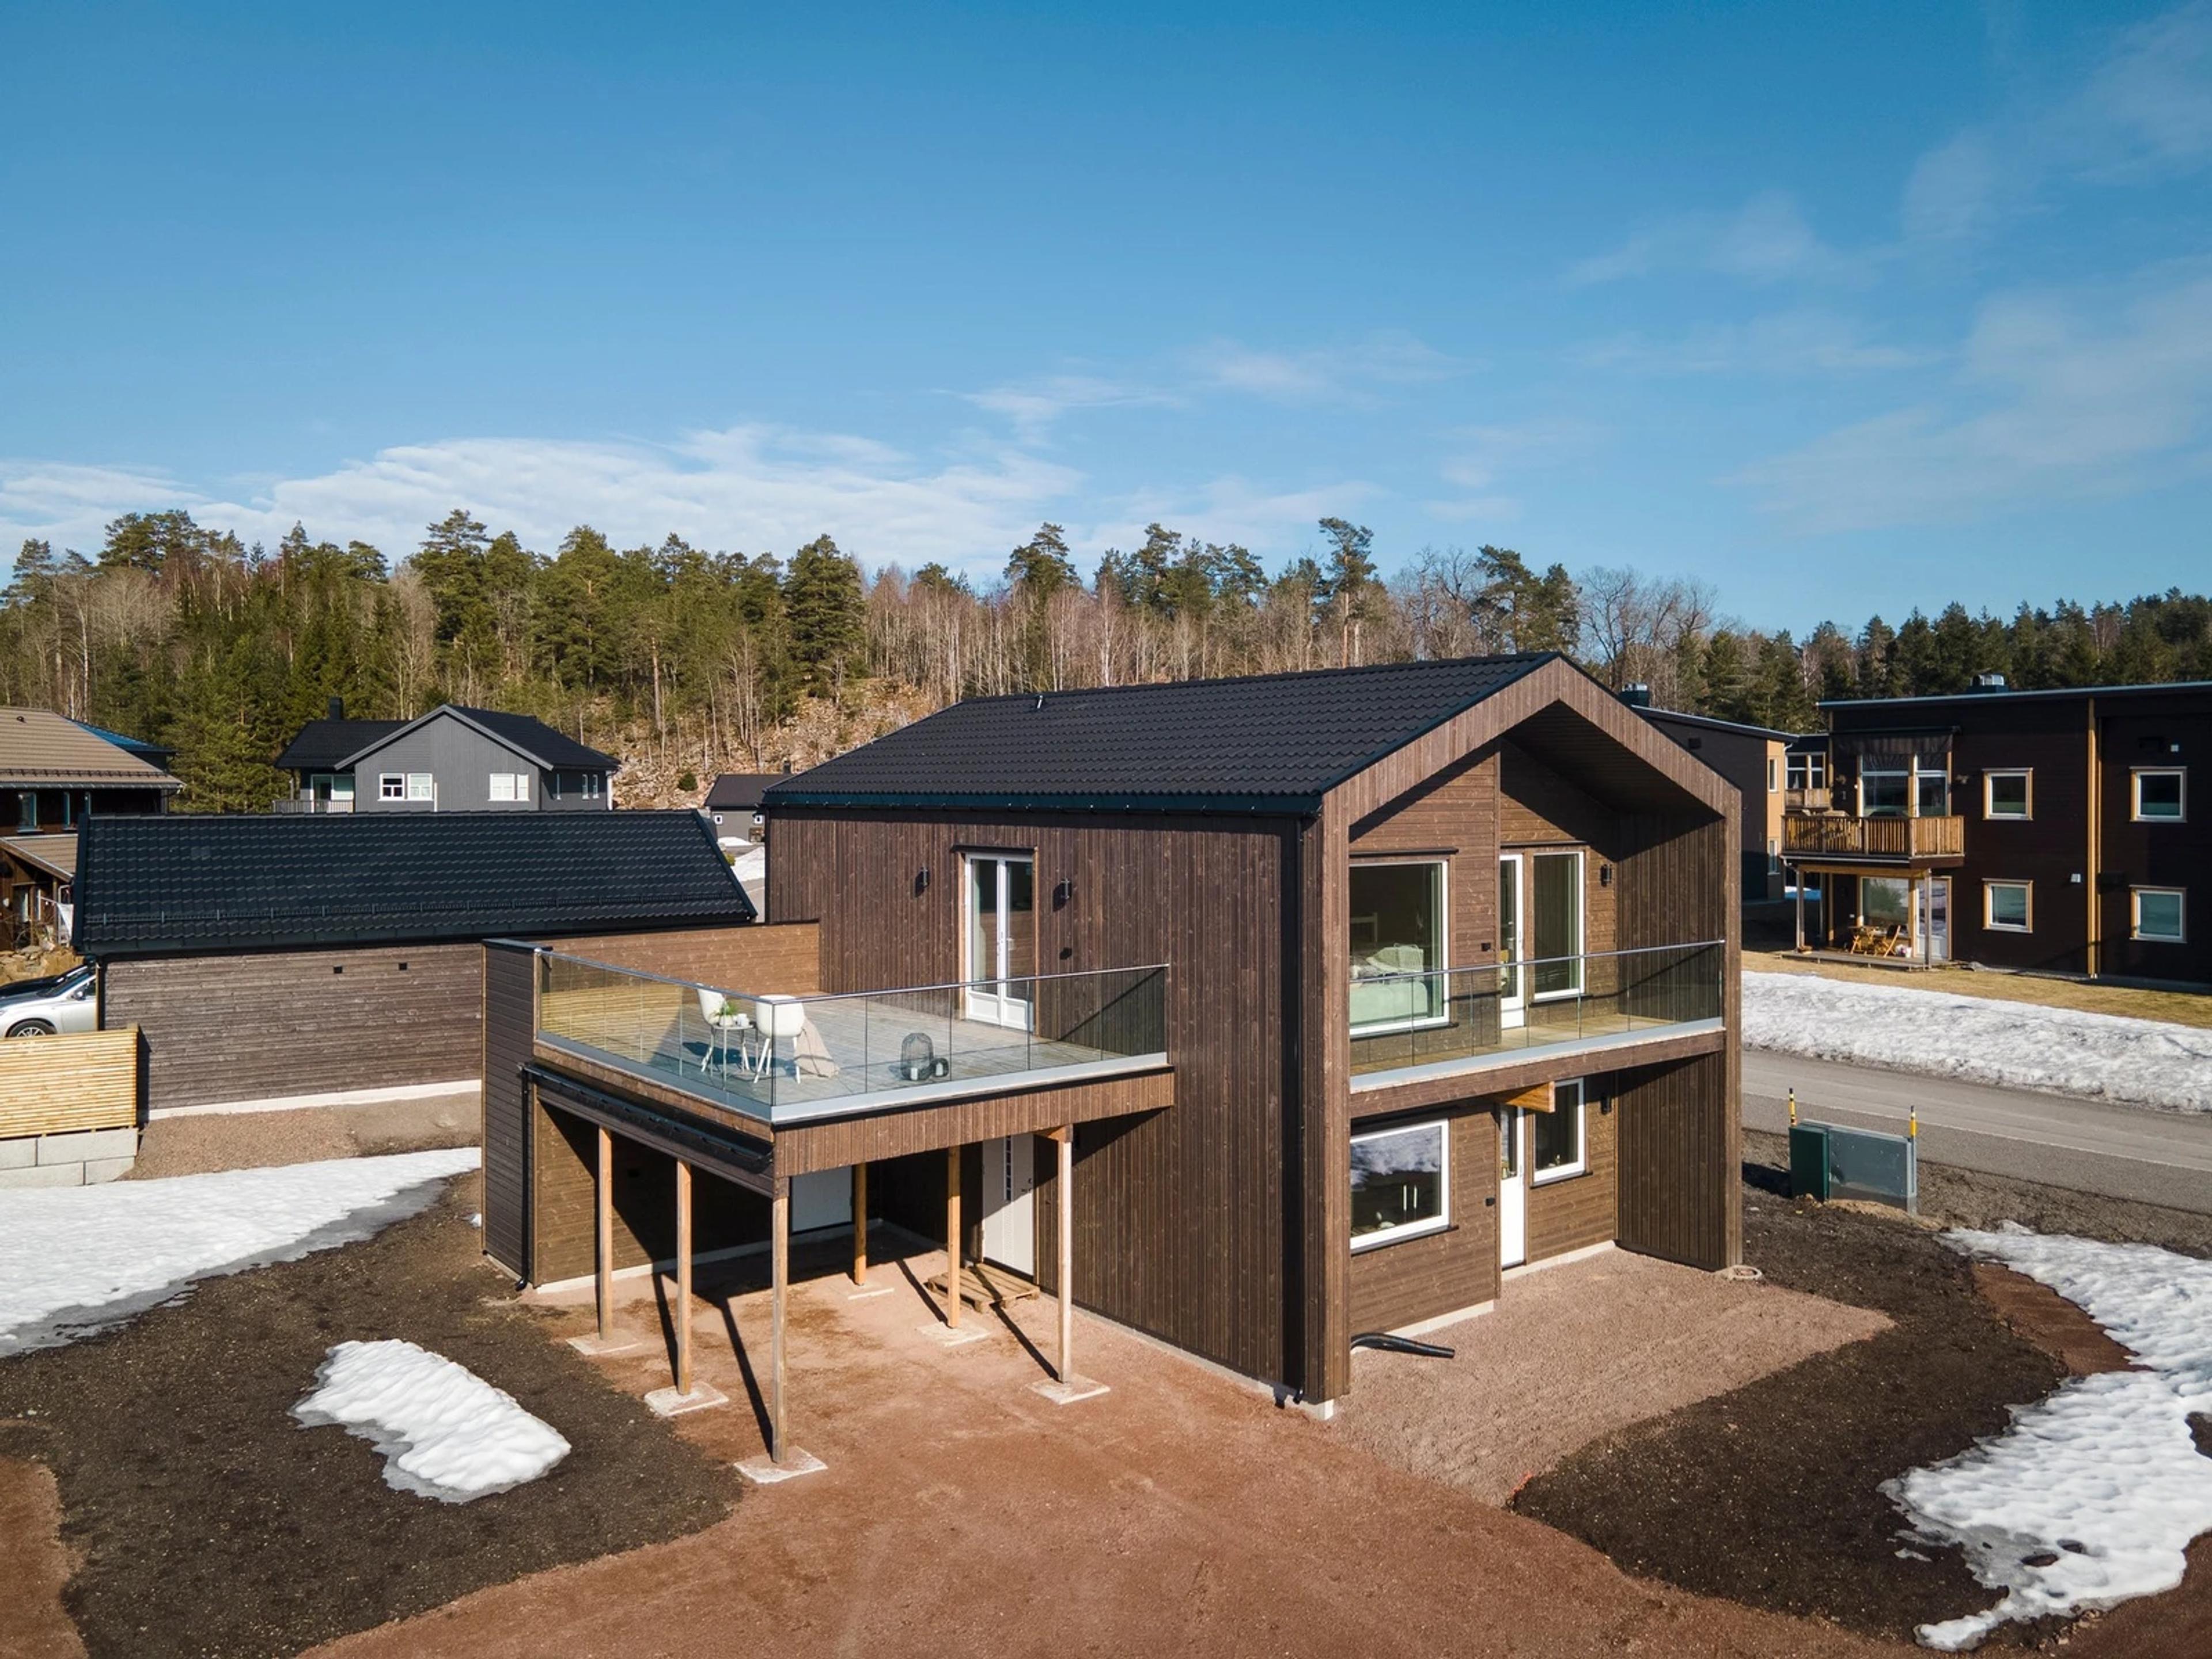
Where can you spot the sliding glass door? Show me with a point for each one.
(1555, 924)
(1001, 944)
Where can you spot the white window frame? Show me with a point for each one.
(2025, 775)
(1989, 909)
(1441, 1221)
(1420, 1022)
(503, 787)
(1581, 953)
(391, 786)
(421, 785)
(2136, 776)
(2135, 915)
(522, 787)
(1581, 1165)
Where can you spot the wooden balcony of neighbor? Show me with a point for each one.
(1882, 840)
(1817, 799)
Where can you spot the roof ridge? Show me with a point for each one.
(1424, 663)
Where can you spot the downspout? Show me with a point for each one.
(2093, 947)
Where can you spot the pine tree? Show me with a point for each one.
(825, 614)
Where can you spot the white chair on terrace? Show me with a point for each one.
(775, 1017)
(728, 1018)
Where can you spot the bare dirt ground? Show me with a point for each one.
(1768, 1495)
(255, 1140)
(1573, 1354)
(963, 1513)
(205, 1520)
(33, 1624)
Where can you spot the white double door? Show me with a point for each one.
(1010, 1203)
(1000, 946)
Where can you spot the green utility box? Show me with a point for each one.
(1809, 1161)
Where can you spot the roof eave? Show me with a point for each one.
(1246, 806)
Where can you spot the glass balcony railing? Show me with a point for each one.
(788, 1057)
(1408, 1021)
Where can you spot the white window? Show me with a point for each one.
(418, 786)
(2160, 794)
(1400, 1184)
(1773, 774)
(1398, 944)
(1556, 1148)
(522, 786)
(1884, 794)
(2008, 906)
(502, 785)
(2158, 914)
(2009, 794)
(1809, 769)
(390, 786)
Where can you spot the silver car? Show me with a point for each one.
(58, 1002)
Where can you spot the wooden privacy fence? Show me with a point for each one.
(56, 1085)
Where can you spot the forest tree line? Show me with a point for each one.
(686, 662)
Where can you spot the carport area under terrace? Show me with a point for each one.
(672, 1125)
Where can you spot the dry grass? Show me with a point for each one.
(2177, 1007)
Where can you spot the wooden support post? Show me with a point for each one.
(603, 1265)
(683, 1276)
(860, 1223)
(779, 1292)
(1065, 1139)
(952, 1237)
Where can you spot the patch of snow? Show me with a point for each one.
(444, 1432)
(2013, 1045)
(751, 871)
(77, 1260)
(2093, 1496)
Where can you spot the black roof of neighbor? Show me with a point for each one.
(735, 792)
(186, 883)
(2002, 694)
(322, 745)
(1662, 716)
(525, 734)
(1268, 743)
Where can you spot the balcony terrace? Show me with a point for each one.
(1892, 838)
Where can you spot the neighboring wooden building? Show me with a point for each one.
(54, 773)
(1271, 1011)
(450, 760)
(2052, 831)
(324, 961)
(1752, 757)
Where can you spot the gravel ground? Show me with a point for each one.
(206, 1520)
(1767, 1495)
(1575, 1352)
(259, 1141)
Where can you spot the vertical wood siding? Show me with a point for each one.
(1677, 1178)
(564, 1176)
(1395, 1285)
(1180, 1214)
(1578, 1211)
(510, 997)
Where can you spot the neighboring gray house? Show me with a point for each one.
(450, 760)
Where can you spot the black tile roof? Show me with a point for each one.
(323, 746)
(735, 792)
(187, 883)
(1268, 743)
(538, 740)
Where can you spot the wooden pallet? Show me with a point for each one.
(985, 1285)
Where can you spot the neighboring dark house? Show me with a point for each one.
(1259, 1013)
(281, 957)
(1752, 757)
(2057, 831)
(734, 805)
(54, 773)
(450, 760)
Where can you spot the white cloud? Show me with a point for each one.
(2149, 103)
(2047, 405)
(1389, 358)
(1478, 456)
(1034, 406)
(1806, 341)
(1766, 239)
(1953, 192)
(751, 488)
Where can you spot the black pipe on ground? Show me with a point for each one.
(1389, 1344)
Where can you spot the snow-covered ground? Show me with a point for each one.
(2016, 1045)
(2094, 1494)
(75, 1260)
(443, 1430)
(751, 871)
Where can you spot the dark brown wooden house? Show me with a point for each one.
(2050, 831)
(1269, 1011)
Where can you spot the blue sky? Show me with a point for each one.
(1838, 308)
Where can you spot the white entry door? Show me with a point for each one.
(1000, 949)
(1936, 917)
(820, 1198)
(1009, 1203)
(1512, 1187)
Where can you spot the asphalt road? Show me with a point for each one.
(2120, 1152)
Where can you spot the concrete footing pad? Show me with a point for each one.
(946, 1337)
(861, 1294)
(667, 1403)
(598, 1346)
(765, 1471)
(1067, 1393)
